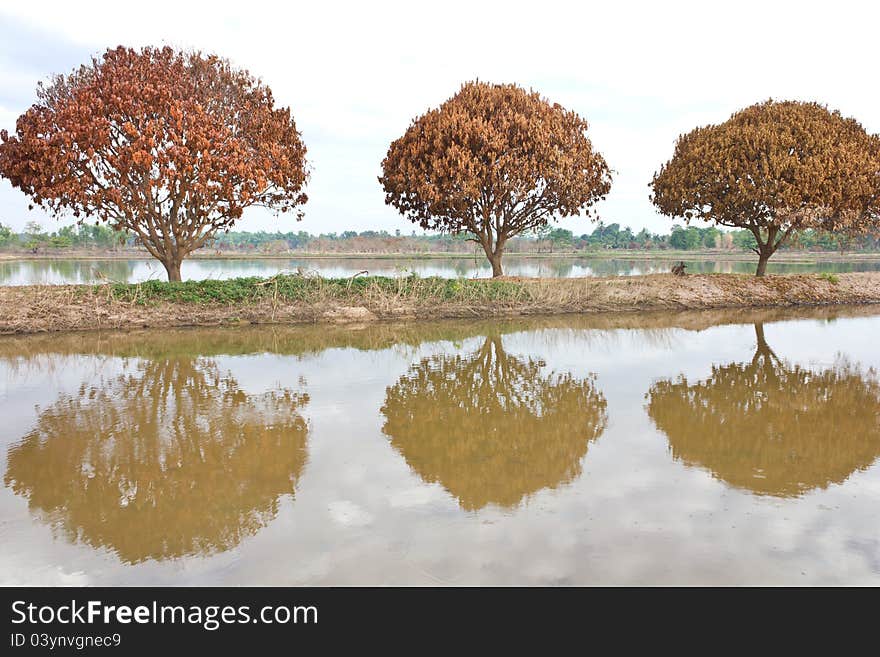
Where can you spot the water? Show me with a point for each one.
(692, 448)
(30, 272)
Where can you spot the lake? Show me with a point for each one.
(31, 272)
(689, 448)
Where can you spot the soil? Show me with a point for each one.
(47, 308)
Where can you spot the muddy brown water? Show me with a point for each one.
(702, 448)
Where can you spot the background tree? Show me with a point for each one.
(34, 236)
(492, 428)
(774, 168)
(7, 237)
(771, 427)
(494, 160)
(685, 239)
(171, 146)
(561, 238)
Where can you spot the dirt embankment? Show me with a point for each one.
(31, 309)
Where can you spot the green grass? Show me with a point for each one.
(311, 289)
(831, 278)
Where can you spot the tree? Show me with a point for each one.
(60, 241)
(685, 239)
(774, 168)
(710, 237)
(33, 230)
(495, 161)
(492, 428)
(561, 237)
(745, 239)
(171, 460)
(34, 236)
(172, 146)
(771, 427)
(7, 237)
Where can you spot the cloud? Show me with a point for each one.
(29, 54)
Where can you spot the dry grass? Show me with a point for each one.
(297, 299)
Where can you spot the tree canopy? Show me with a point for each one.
(775, 168)
(495, 161)
(172, 146)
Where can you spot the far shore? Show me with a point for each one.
(295, 299)
(793, 257)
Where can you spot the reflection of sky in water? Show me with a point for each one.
(362, 516)
(31, 272)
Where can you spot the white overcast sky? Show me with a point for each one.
(356, 73)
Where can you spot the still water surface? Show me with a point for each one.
(34, 272)
(705, 448)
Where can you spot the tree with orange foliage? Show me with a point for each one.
(172, 146)
(494, 161)
(775, 168)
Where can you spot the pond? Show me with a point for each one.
(32, 272)
(688, 448)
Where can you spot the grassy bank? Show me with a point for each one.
(303, 299)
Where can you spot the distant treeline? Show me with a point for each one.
(35, 239)
(552, 240)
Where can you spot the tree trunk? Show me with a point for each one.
(495, 259)
(494, 256)
(762, 263)
(764, 253)
(766, 248)
(172, 266)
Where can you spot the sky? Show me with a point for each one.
(356, 73)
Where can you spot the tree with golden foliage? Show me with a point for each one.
(172, 146)
(775, 168)
(494, 161)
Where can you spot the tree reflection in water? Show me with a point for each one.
(492, 428)
(171, 460)
(771, 427)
